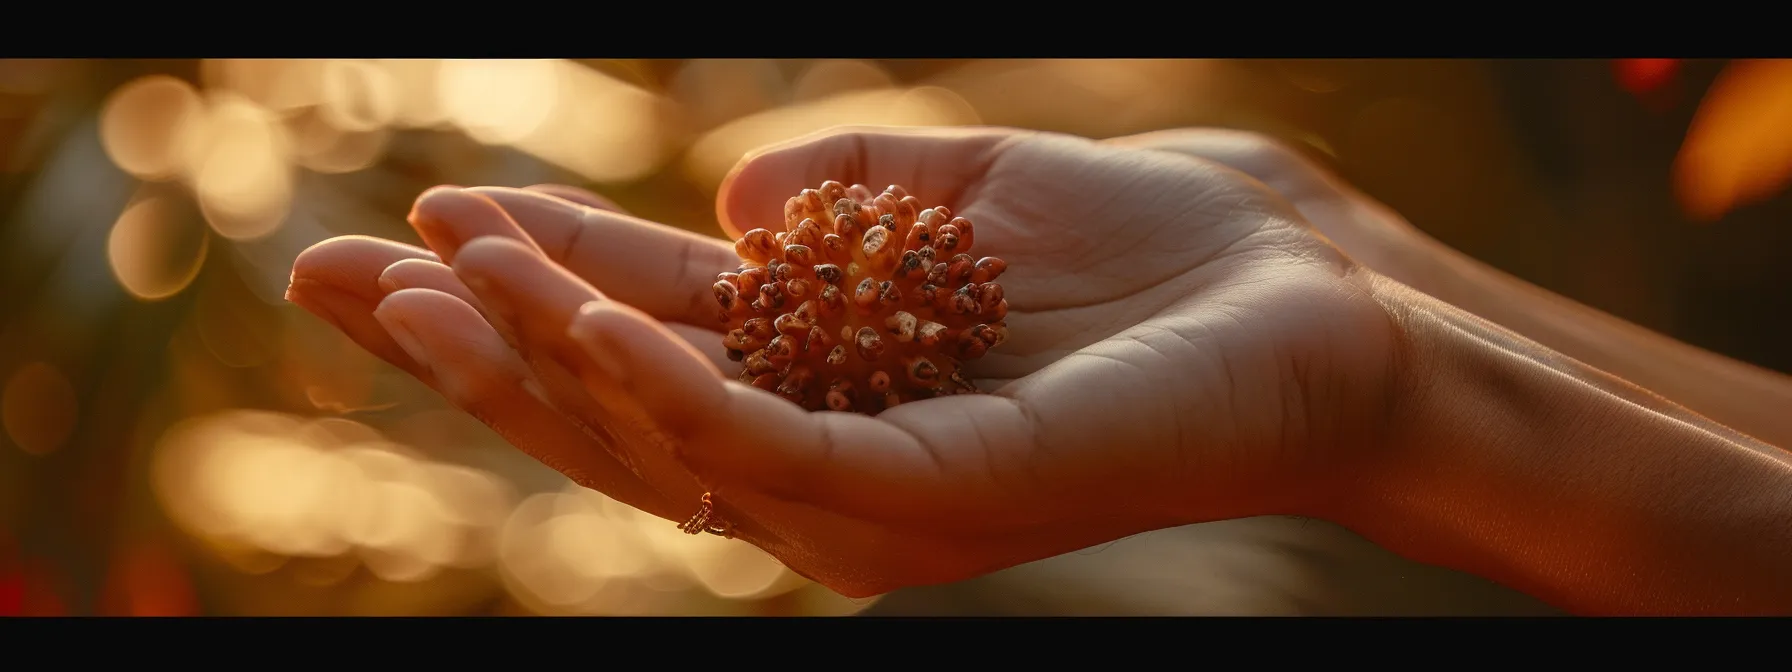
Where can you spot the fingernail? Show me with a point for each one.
(388, 285)
(323, 301)
(599, 345)
(402, 335)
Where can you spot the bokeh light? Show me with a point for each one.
(212, 448)
(156, 247)
(143, 123)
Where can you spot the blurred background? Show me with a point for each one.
(179, 440)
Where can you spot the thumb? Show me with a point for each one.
(932, 164)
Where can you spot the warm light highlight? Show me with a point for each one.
(143, 122)
(1739, 148)
(154, 249)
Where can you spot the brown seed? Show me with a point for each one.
(907, 209)
(964, 300)
(988, 295)
(771, 298)
(760, 328)
(970, 346)
(816, 342)
(831, 300)
(920, 303)
(934, 218)
(929, 333)
(998, 333)
(726, 294)
(789, 324)
(750, 282)
(966, 235)
(870, 346)
(920, 371)
(896, 190)
(885, 204)
(781, 350)
(919, 236)
(903, 325)
(847, 227)
(988, 269)
(796, 383)
(927, 257)
(888, 294)
(757, 363)
(860, 193)
(841, 396)
(801, 259)
(998, 312)
(834, 248)
(866, 294)
(876, 240)
(832, 191)
(736, 340)
(909, 266)
(807, 234)
(811, 205)
(958, 269)
(757, 246)
(768, 382)
(947, 241)
(936, 274)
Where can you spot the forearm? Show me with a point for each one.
(1528, 468)
(1743, 397)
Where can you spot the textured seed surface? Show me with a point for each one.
(865, 300)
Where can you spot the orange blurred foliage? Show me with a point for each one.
(1739, 148)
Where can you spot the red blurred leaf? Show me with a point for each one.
(1641, 76)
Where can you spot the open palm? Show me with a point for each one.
(1182, 348)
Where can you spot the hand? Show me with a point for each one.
(1740, 396)
(1183, 348)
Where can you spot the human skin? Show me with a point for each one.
(1185, 349)
(1739, 395)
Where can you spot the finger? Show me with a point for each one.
(1272, 162)
(667, 272)
(481, 375)
(448, 217)
(577, 195)
(426, 274)
(933, 164)
(538, 300)
(337, 280)
(919, 464)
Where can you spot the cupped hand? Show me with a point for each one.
(1182, 348)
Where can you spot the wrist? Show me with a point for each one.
(1515, 463)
